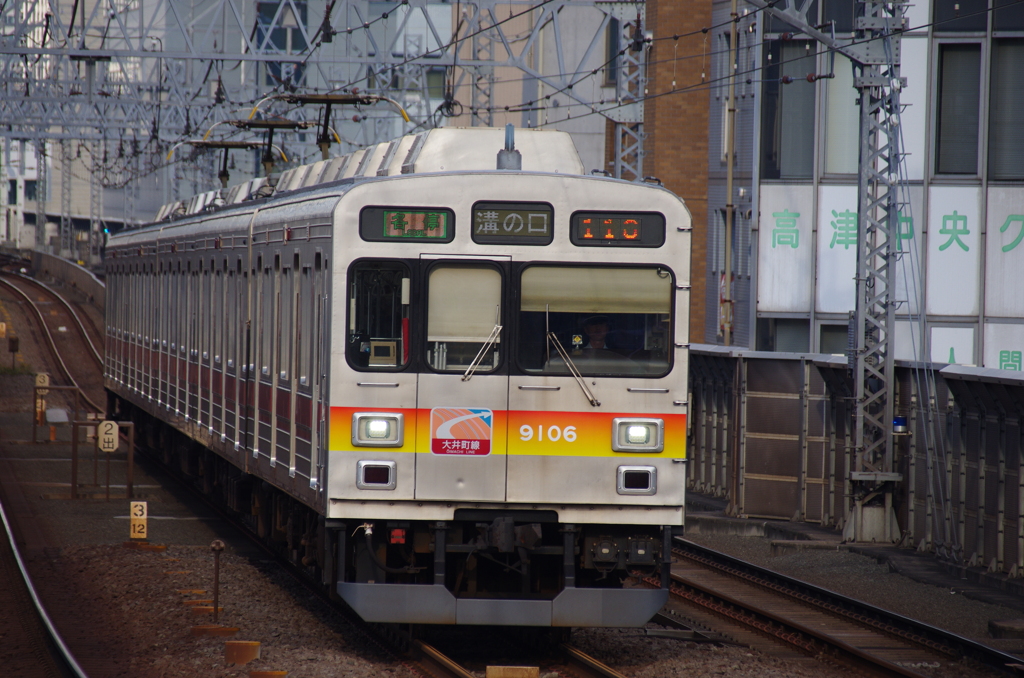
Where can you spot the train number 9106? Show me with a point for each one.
(553, 433)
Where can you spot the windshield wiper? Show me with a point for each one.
(553, 340)
(491, 338)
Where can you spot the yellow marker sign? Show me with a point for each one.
(42, 380)
(139, 514)
(3, 330)
(108, 436)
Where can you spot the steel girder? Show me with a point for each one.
(875, 51)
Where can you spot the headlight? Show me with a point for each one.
(377, 429)
(638, 435)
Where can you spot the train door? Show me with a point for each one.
(462, 397)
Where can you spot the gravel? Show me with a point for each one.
(134, 597)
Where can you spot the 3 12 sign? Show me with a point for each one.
(139, 514)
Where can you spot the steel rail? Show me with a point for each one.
(809, 640)
(51, 345)
(61, 654)
(437, 664)
(584, 666)
(425, 660)
(883, 621)
(97, 356)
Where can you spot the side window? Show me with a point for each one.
(463, 318)
(378, 315)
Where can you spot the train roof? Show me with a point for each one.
(446, 149)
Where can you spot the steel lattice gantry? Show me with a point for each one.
(130, 79)
(875, 52)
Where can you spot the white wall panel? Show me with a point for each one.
(918, 14)
(952, 345)
(908, 341)
(1004, 346)
(1004, 254)
(954, 247)
(909, 271)
(784, 250)
(914, 67)
(837, 249)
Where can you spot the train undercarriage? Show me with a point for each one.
(496, 566)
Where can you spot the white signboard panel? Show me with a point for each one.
(1004, 255)
(952, 345)
(909, 271)
(908, 341)
(836, 291)
(954, 248)
(785, 249)
(1004, 346)
(914, 67)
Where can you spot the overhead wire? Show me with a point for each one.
(575, 77)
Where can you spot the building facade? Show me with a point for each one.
(961, 225)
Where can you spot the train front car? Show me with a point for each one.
(508, 387)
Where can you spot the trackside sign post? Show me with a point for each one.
(108, 436)
(139, 514)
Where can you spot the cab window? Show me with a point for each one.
(378, 315)
(612, 321)
(463, 318)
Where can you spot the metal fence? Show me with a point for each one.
(771, 433)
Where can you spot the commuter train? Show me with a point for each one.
(456, 394)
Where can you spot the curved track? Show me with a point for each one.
(26, 626)
(818, 622)
(89, 377)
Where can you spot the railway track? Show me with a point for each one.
(422, 658)
(28, 640)
(818, 622)
(74, 356)
(49, 657)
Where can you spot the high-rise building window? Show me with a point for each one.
(956, 134)
(1006, 102)
(1008, 15)
(787, 133)
(960, 15)
(842, 120)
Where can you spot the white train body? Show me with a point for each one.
(472, 381)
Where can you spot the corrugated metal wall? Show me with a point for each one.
(771, 432)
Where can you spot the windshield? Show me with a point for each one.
(612, 321)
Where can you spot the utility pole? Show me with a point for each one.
(875, 51)
(730, 158)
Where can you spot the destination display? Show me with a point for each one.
(407, 223)
(608, 229)
(500, 223)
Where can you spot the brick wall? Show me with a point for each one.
(676, 147)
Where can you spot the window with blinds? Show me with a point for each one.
(1006, 105)
(957, 117)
